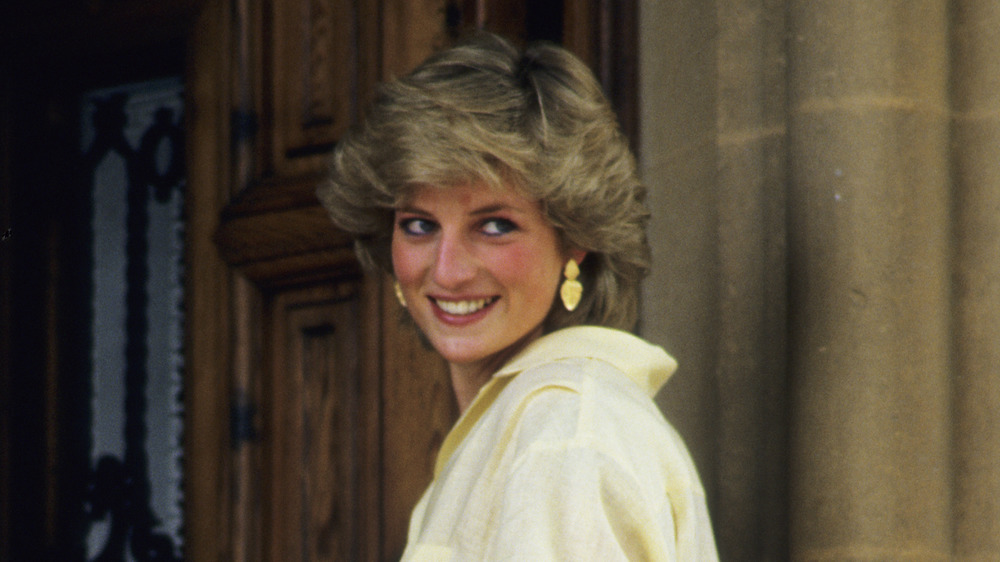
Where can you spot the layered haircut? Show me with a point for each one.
(535, 121)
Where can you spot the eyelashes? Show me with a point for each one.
(492, 226)
(416, 226)
(497, 226)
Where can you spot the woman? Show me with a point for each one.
(497, 189)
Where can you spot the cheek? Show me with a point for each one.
(536, 274)
(405, 262)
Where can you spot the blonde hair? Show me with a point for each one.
(536, 121)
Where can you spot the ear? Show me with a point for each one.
(577, 255)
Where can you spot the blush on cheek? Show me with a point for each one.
(516, 261)
(404, 260)
(524, 261)
(520, 264)
(399, 254)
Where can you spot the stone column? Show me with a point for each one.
(678, 157)
(869, 280)
(976, 165)
(751, 519)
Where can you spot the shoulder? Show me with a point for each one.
(576, 382)
(583, 403)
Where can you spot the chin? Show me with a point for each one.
(461, 357)
(460, 352)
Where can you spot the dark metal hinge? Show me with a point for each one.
(242, 412)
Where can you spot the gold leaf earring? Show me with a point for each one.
(399, 293)
(571, 289)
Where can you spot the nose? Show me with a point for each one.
(455, 264)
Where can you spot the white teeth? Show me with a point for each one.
(462, 308)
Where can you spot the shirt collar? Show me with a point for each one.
(646, 364)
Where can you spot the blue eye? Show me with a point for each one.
(498, 226)
(416, 226)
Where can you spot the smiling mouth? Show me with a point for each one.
(464, 308)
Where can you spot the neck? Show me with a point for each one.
(468, 378)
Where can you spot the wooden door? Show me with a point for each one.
(341, 409)
(336, 411)
(344, 408)
(313, 414)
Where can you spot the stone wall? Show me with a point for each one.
(825, 184)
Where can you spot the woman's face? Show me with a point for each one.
(479, 269)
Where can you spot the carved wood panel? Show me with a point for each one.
(312, 85)
(320, 403)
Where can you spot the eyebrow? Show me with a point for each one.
(484, 210)
(490, 209)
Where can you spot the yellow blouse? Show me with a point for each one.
(563, 455)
